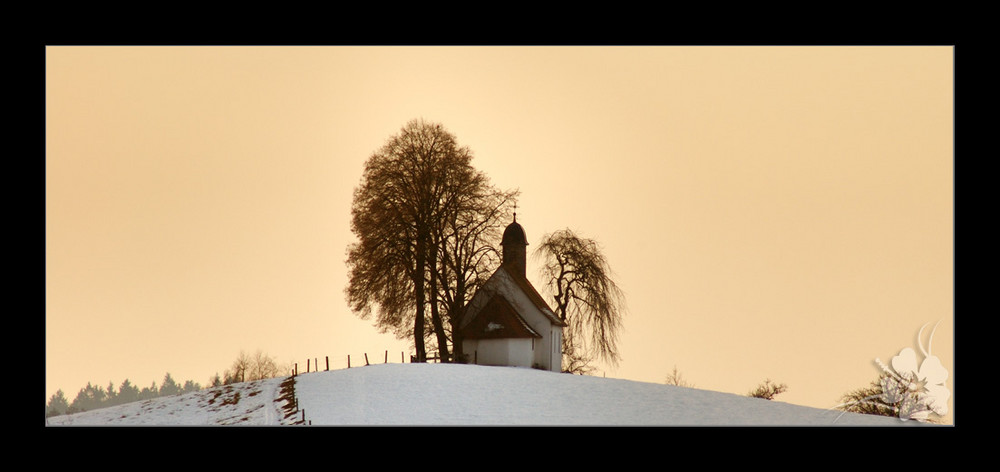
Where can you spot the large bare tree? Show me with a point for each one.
(586, 297)
(419, 197)
(468, 252)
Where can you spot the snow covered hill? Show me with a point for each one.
(453, 394)
(249, 403)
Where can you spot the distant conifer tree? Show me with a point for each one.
(127, 392)
(169, 386)
(58, 405)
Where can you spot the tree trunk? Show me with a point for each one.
(442, 338)
(457, 312)
(456, 337)
(418, 320)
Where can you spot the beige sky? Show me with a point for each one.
(770, 212)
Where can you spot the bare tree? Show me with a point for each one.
(586, 297)
(247, 368)
(675, 378)
(468, 254)
(238, 371)
(262, 366)
(418, 196)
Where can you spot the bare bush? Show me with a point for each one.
(768, 390)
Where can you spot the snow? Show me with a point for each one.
(455, 394)
(254, 406)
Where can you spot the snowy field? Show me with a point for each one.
(454, 394)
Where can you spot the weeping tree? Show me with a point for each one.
(420, 215)
(579, 281)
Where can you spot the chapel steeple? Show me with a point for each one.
(515, 250)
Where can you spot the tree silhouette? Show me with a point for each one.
(574, 360)
(675, 378)
(169, 386)
(127, 392)
(238, 371)
(88, 398)
(467, 254)
(92, 398)
(58, 405)
(417, 214)
(149, 392)
(262, 366)
(111, 394)
(190, 386)
(246, 368)
(585, 296)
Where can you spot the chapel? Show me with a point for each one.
(507, 322)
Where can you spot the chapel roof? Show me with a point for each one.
(532, 294)
(498, 319)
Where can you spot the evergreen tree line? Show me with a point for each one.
(92, 398)
(245, 368)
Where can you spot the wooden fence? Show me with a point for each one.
(312, 365)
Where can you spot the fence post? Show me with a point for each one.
(307, 365)
(348, 361)
(402, 360)
(296, 369)
(366, 358)
(386, 356)
(327, 362)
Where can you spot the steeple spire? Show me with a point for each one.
(515, 251)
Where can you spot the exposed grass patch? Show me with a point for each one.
(232, 400)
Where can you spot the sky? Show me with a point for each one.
(782, 213)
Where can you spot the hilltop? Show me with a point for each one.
(454, 394)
